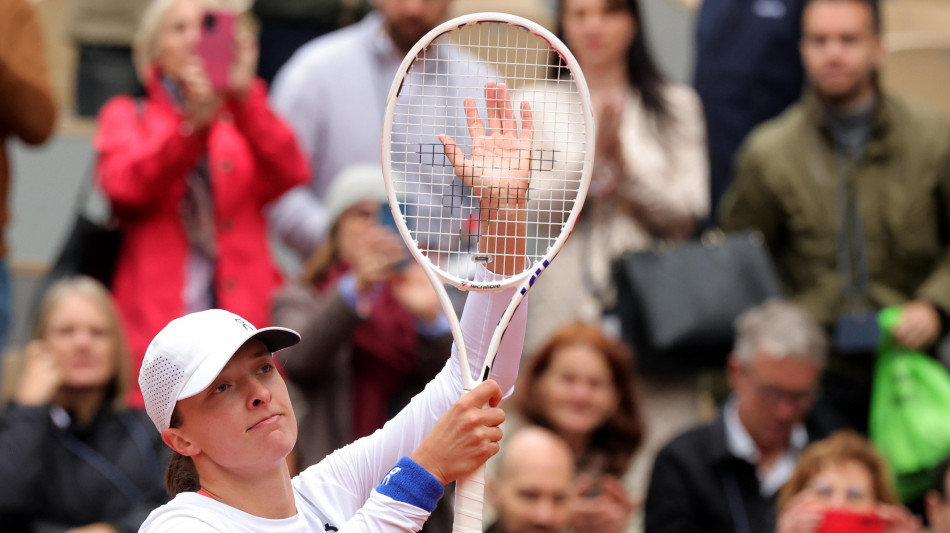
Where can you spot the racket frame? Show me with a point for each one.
(470, 491)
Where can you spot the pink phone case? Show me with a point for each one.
(216, 47)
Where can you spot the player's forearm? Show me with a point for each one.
(482, 312)
(504, 239)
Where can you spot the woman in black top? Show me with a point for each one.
(71, 453)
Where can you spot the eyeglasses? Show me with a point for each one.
(776, 395)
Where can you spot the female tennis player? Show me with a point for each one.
(210, 387)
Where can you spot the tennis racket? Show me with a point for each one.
(487, 149)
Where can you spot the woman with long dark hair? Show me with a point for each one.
(650, 179)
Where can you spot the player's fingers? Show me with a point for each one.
(527, 122)
(493, 107)
(508, 112)
(493, 449)
(497, 393)
(493, 416)
(485, 393)
(492, 434)
(463, 167)
(475, 127)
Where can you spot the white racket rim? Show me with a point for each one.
(527, 277)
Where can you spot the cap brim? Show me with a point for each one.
(274, 339)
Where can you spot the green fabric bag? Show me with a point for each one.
(910, 411)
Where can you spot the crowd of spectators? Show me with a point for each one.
(786, 130)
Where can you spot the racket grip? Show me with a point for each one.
(469, 500)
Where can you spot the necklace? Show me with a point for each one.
(205, 492)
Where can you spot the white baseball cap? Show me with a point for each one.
(189, 353)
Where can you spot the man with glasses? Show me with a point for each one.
(723, 477)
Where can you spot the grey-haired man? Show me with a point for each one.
(723, 477)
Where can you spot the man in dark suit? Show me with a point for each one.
(723, 477)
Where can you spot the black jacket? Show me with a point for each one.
(698, 485)
(49, 482)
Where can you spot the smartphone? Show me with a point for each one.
(836, 521)
(387, 220)
(216, 47)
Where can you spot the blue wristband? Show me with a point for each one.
(408, 482)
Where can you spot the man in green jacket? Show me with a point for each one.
(851, 188)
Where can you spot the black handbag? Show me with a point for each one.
(677, 304)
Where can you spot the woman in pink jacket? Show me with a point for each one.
(188, 172)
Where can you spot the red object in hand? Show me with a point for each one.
(850, 522)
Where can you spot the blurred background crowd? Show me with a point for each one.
(817, 131)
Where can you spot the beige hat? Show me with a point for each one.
(354, 184)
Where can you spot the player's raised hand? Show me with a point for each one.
(499, 169)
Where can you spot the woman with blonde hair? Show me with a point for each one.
(841, 474)
(72, 453)
(188, 171)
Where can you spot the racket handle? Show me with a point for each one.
(469, 499)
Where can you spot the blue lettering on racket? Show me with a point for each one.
(537, 274)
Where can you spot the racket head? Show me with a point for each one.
(435, 213)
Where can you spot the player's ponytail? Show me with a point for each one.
(181, 475)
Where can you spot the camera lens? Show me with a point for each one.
(209, 21)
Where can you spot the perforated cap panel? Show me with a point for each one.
(161, 380)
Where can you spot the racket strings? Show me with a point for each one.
(442, 212)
